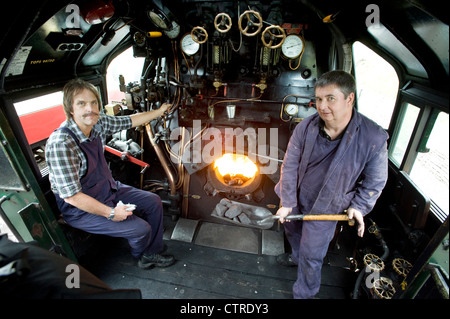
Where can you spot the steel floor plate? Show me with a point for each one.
(229, 237)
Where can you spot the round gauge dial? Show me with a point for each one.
(291, 109)
(292, 46)
(139, 38)
(158, 19)
(188, 45)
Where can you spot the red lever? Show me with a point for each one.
(126, 156)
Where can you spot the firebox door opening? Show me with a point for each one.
(235, 170)
(233, 175)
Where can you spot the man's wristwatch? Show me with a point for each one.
(111, 215)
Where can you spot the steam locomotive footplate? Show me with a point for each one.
(241, 239)
(228, 237)
(185, 230)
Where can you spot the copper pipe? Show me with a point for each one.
(162, 159)
(185, 201)
(141, 131)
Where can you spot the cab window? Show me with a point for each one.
(430, 169)
(32, 114)
(419, 142)
(129, 67)
(43, 109)
(420, 147)
(376, 85)
(404, 130)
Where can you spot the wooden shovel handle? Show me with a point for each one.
(338, 217)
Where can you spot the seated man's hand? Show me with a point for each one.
(121, 213)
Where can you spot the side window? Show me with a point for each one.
(430, 170)
(129, 67)
(420, 147)
(32, 113)
(404, 129)
(43, 109)
(376, 85)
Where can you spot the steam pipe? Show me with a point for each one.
(357, 284)
(162, 159)
(373, 229)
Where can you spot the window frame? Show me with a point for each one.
(427, 101)
(430, 104)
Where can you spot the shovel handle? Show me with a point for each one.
(334, 217)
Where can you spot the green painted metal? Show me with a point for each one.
(24, 204)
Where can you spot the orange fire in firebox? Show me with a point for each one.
(236, 165)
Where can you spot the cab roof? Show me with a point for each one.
(412, 34)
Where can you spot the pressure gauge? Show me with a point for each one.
(292, 46)
(291, 109)
(188, 45)
(159, 19)
(139, 38)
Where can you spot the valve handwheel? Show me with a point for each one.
(383, 288)
(401, 266)
(222, 22)
(274, 33)
(199, 35)
(374, 262)
(250, 23)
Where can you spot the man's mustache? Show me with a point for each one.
(89, 114)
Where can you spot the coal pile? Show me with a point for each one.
(232, 211)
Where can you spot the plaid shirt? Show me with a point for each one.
(66, 161)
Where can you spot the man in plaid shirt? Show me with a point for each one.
(85, 191)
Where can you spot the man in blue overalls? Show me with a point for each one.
(336, 160)
(85, 191)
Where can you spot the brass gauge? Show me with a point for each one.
(188, 45)
(292, 46)
(159, 19)
(139, 38)
(291, 109)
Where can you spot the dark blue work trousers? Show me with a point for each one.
(309, 242)
(143, 229)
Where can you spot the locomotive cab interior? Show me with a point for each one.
(240, 76)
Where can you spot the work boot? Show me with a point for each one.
(155, 260)
(286, 260)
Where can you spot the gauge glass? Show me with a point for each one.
(174, 32)
(291, 109)
(292, 46)
(188, 45)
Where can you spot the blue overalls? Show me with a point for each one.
(144, 233)
(327, 177)
(310, 240)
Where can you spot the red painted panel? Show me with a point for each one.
(39, 125)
